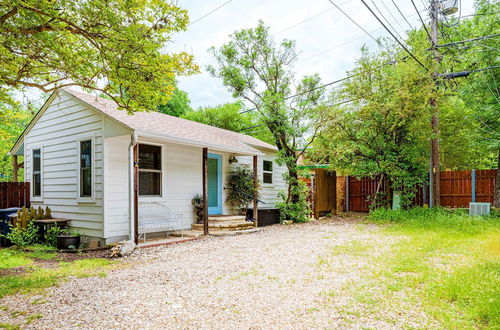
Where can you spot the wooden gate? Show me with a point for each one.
(325, 192)
(14, 194)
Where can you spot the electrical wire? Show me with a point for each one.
(386, 20)
(399, 42)
(468, 40)
(423, 23)
(401, 13)
(344, 43)
(209, 13)
(356, 23)
(329, 84)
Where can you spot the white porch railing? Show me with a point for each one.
(156, 217)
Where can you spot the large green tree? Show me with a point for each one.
(178, 104)
(382, 130)
(261, 72)
(228, 116)
(115, 47)
(13, 120)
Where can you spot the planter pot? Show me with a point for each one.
(68, 242)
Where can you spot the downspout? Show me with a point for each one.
(133, 143)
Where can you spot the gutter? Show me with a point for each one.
(133, 142)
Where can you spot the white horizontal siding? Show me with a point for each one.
(116, 198)
(268, 192)
(182, 179)
(58, 131)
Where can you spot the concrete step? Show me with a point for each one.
(226, 218)
(225, 225)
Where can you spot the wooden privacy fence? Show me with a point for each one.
(14, 194)
(457, 189)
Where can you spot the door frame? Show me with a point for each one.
(213, 210)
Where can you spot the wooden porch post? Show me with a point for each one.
(255, 193)
(15, 168)
(205, 190)
(136, 193)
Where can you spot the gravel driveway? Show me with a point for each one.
(298, 276)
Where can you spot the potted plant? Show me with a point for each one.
(68, 240)
(241, 188)
(197, 203)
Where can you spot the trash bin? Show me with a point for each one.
(4, 224)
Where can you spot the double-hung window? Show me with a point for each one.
(149, 170)
(37, 173)
(267, 172)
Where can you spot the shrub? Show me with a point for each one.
(298, 211)
(52, 233)
(197, 203)
(240, 185)
(24, 236)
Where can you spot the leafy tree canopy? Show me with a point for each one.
(228, 116)
(178, 104)
(13, 120)
(256, 69)
(114, 47)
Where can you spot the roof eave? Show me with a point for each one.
(194, 143)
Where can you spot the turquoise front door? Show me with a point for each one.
(214, 184)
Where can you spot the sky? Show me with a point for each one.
(328, 43)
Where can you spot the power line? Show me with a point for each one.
(467, 40)
(423, 23)
(356, 23)
(401, 13)
(306, 20)
(386, 20)
(390, 13)
(399, 42)
(344, 43)
(329, 84)
(209, 13)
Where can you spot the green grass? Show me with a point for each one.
(36, 278)
(13, 259)
(450, 261)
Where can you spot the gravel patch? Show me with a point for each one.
(298, 276)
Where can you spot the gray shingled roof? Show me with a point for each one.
(162, 125)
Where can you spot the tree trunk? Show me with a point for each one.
(496, 199)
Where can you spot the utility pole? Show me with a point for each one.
(434, 163)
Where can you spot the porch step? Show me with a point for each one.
(225, 225)
(225, 218)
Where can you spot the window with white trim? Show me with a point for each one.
(86, 168)
(149, 170)
(267, 171)
(37, 173)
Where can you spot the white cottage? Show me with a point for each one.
(79, 154)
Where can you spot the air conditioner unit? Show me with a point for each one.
(479, 208)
